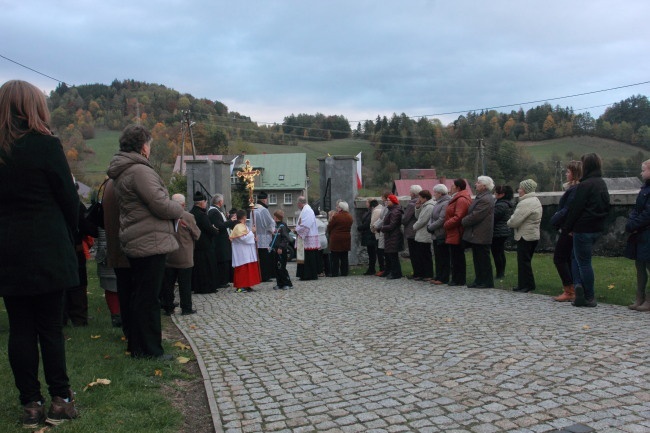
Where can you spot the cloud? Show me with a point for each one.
(270, 59)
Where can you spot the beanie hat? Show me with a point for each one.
(393, 199)
(199, 196)
(262, 196)
(528, 185)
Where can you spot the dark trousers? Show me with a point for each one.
(525, 276)
(372, 258)
(562, 258)
(381, 259)
(125, 291)
(266, 262)
(393, 265)
(324, 265)
(282, 278)
(482, 265)
(75, 299)
(146, 334)
(34, 321)
(339, 260)
(224, 273)
(443, 263)
(499, 255)
(184, 278)
(410, 243)
(422, 260)
(458, 264)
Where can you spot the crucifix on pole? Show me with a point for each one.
(248, 174)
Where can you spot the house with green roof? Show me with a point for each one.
(283, 176)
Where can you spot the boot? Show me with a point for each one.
(640, 299)
(116, 320)
(569, 294)
(579, 301)
(644, 307)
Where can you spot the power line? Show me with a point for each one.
(34, 70)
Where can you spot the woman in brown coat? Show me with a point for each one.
(340, 239)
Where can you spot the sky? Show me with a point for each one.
(360, 59)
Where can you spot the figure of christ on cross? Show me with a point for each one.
(248, 174)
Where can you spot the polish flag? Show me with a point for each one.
(359, 183)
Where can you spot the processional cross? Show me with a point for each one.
(248, 174)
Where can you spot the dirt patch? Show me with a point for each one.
(188, 396)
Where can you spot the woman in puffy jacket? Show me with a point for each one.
(456, 211)
(421, 256)
(526, 220)
(148, 218)
(435, 227)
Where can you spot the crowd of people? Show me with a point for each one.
(439, 226)
(148, 242)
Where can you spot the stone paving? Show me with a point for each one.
(363, 354)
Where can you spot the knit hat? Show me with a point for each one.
(393, 199)
(528, 185)
(262, 196)
(199, 196)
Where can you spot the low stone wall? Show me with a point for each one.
(612, 243)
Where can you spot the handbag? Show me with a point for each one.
(95, 214)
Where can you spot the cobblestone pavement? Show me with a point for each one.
(363, 354)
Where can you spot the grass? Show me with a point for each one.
(607, 149)
(135, 400)
(615, 276)
(105, 145)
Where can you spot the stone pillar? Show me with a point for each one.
(341, 171)
(213, 175)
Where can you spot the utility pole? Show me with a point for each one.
(480, 157)
(558, 174)
(482, 153)
(182, 147)
(189, 125)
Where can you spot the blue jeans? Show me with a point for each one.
(583, 272)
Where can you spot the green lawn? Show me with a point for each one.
(105, 145)
(615, 276)
(135, 400)
(607, 149)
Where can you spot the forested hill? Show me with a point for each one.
(478, 139)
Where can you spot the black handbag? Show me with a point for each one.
(95, 214)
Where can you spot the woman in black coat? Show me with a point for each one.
(638, 225)
(38, 221)
(502, 212)
(368, 238)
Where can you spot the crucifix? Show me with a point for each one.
(248, 174)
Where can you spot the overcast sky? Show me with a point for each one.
(269, 59)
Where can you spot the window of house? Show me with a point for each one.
(281, 177)
(273, 199)
(291, 221)
(234, 179)
(254, 198)
(288, 199)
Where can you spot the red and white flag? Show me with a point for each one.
(359, 183)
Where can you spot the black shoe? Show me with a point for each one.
(62, 410)
(580, 300)
(188, 312)
(453, 284)
(591, 303)
(369, 272)
(276, 287)
(394, 277)
(527, 289)
(480, 286)
(249, 289)
(517, 289)
(33, 414)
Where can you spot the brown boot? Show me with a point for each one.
(644, 307)
(569, 294)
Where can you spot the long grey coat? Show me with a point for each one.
(479, 221)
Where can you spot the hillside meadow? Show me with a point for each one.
(606, 148)
(105, 144)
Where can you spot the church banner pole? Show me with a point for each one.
(248, 174)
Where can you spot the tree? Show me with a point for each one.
(549, 127)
